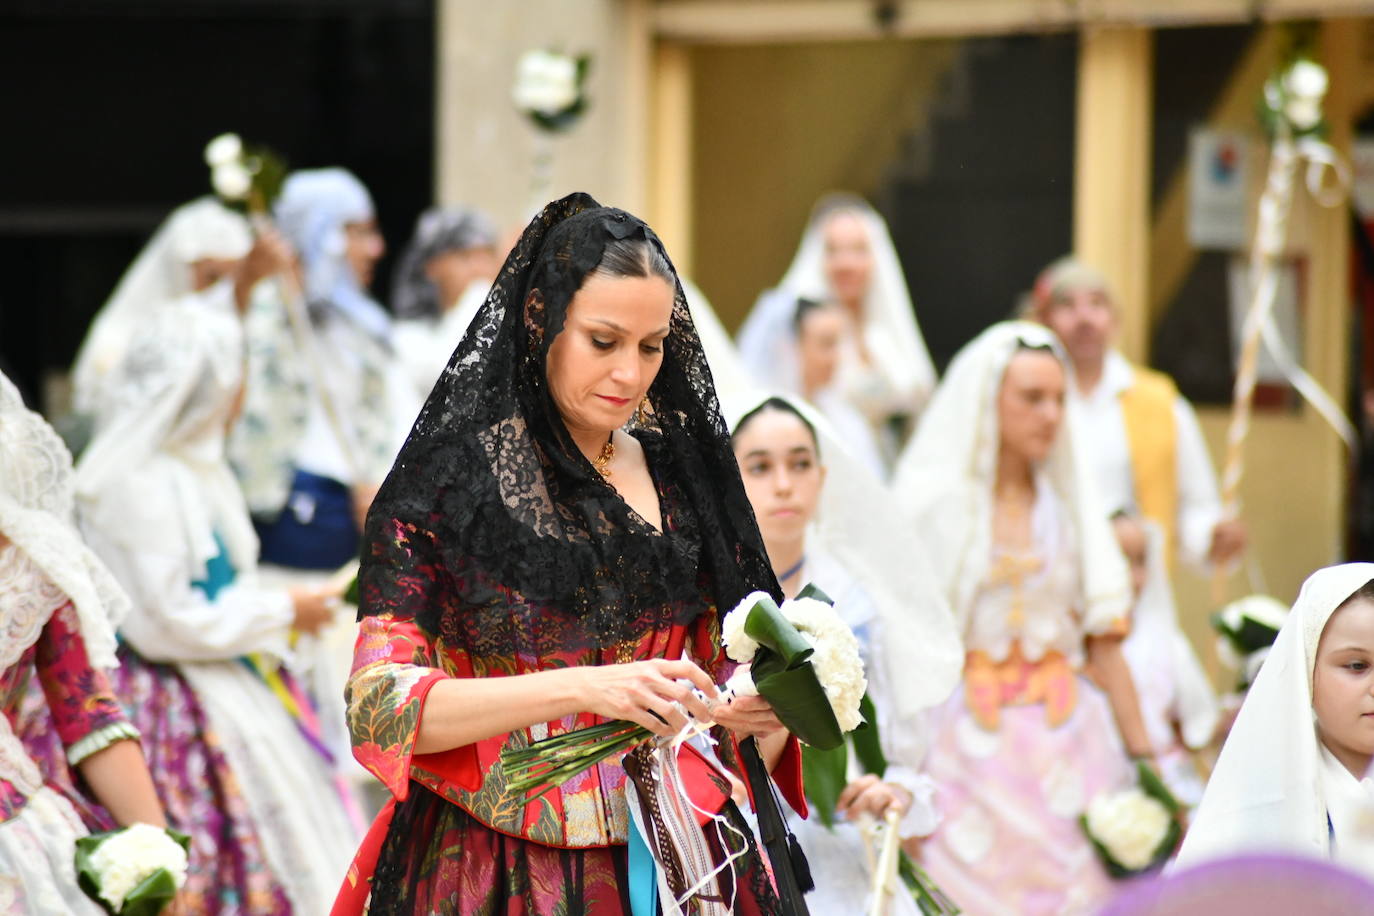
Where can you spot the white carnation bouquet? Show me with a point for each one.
(801, 658)
(132, 872)
(1135, 830)
(1247, 628)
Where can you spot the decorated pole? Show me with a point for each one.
(1292, 111)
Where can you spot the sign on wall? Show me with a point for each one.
(1218, 189)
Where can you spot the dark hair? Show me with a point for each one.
(634, 257)
(785, 406)
(805, 306)
(1363, 593)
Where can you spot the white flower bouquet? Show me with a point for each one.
(247, 178)
(549, 88)
(132, 872)
(1294, 96)
(802, 658)
(1247, 628)
(1134, 830)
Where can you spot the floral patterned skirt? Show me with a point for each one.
(438, 859)
(228, 871)
(1009, 842)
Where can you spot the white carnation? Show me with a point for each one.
(1130, 825)
(738, 644)
(545, 82)
(836, 659)
(231, 181)
(224, 149)
(126, 859)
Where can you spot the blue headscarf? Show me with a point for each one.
(314, 207)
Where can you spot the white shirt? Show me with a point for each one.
(1103, 430)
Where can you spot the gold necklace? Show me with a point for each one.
(603, 460)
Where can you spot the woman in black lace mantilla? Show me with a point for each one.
(554, 547)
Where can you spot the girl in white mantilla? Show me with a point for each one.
(1293, 776)
(826, 521)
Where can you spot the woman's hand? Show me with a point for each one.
(747, 717)
(870, 795)
(645, 693)
(314, 607)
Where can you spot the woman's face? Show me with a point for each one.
(782, 473)
(1343, 684)
(848, 257)
(600, 366)
(1030, 405)
(363, 248)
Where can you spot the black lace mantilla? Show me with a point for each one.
(510, 527)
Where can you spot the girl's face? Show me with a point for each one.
(600, 366)
(1343, 685)
(1030, 405)
(848, 257)
(782, 473)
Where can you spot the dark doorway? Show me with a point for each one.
(108, 107)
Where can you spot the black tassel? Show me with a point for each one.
(800, 867)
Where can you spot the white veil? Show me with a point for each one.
(203, 228)
(158, 449)
(858, 527)
(1156, 637)
(893, 338)
(945, 476)
(1268, 791)
(36, 514)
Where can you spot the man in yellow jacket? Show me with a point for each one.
(1142, 437)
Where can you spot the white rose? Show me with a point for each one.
(1130, 825)
(127, 858)
(224, 149)
(231, 181)
(1305, 80)
(545, 82)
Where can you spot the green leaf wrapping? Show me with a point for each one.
(801, 704)
(868, 746)
(766, 625)
(1153, 786)
(823, 775)
(148, 898)
(810, 590)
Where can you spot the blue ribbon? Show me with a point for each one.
(643, 877)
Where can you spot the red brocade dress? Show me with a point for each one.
(480, 851)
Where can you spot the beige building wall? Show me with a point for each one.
(486, 148)
(777, 126)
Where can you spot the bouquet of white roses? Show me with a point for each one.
(1134, 830)
(549, 88)
(245, 178)
(802, 658)
(132, 872)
